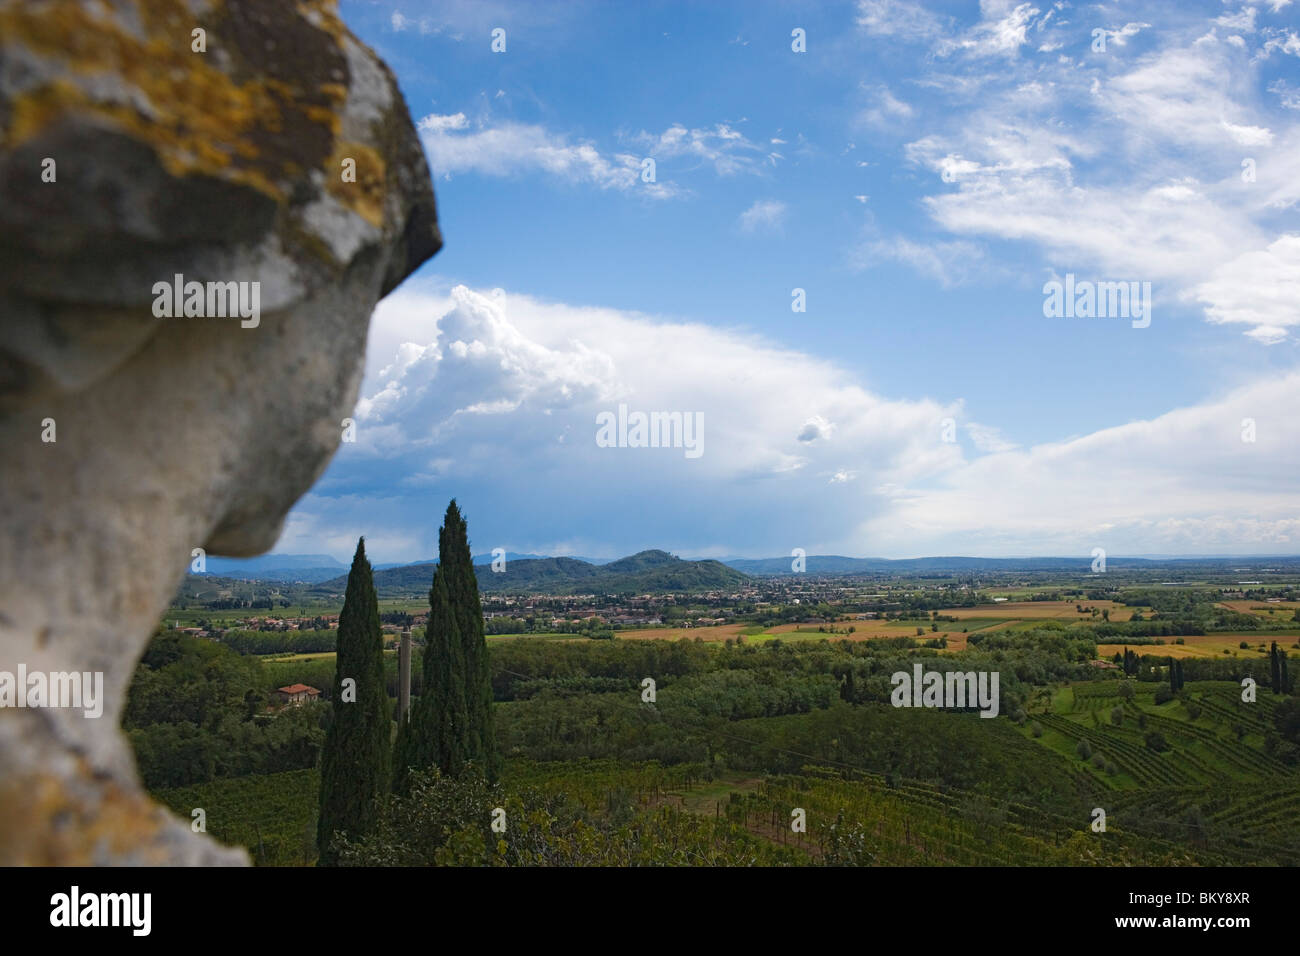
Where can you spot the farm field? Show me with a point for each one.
(1286, 609)
(1205, 645)
(1043, 610)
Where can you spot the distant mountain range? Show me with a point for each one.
(660, 571)
(307, 568)
(831, 564)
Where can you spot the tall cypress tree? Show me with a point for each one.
(356, 758)
(451, 722)
(1275, 669)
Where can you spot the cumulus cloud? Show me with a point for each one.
(493, 398)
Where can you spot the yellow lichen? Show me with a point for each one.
(199, 120)
(45, 821)
(365, 197)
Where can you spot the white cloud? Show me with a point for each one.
(1002, 30)
(1162, 202)
(514, 148)
(949, 263)
(1183, 482)
(726, 149)
(434, 123)
(455, 144)
(1284, 42)
(885, 109)
(988, 439)
(1260, 288)
(424, 25)
(1121, 36)
(493, 399)
(1243, 20)
(1288, 95)
(764, 215)
(897, 18)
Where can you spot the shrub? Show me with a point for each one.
(1083, 749)
(1156, 741)
(1099, 761)
(1164, 694)
(1117, 716)
(1036, 729)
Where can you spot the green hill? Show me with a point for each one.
(647, 571)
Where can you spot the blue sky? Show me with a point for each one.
(920, 171)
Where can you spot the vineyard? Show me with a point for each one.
(781, 753)
(272, 815)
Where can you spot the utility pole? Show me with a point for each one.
(404, 676)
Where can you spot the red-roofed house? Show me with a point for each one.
(296, 693)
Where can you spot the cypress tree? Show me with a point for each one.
(1275, 669)
(451, 722)
(847, 691)
(356, 757)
